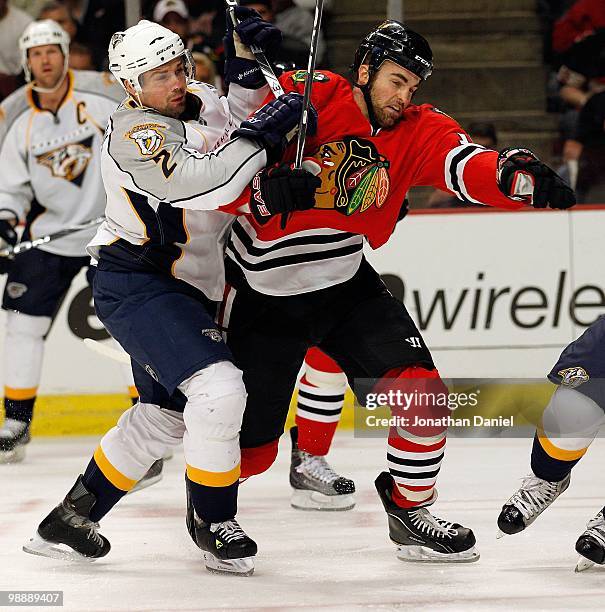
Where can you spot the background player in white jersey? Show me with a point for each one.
(50, 138)
(167, 166)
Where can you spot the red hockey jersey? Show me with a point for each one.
(365, 178)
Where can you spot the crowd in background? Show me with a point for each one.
(201, 24)
(575, 51)
(574, 48)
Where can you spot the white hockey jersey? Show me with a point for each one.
(166, 177)
(50, 162)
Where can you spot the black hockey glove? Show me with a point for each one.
(8, 236)
(274, 125)
(240, 65)
(523, 177)
(282, 189)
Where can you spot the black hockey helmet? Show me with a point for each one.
(392, 40)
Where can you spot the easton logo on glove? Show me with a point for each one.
(282, 189)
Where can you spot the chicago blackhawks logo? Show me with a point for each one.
(68, 162)
(354, 176)
(300, 76)
(149, 137)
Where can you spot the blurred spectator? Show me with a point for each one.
(80, 57)
(581, 76)
(60, 13)
(482, 133)
(12, 23)
(205, 70)
(97, 21)
(590, 185)
(296, 24)
(174, 15)
(262, 7)
(581, 20)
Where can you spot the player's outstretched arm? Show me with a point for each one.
(449, 160)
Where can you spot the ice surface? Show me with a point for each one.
(309, 560)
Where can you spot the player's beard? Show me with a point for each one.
(50, 80)
(175, 109)
(385, 118)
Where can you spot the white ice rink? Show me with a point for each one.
(309, 560)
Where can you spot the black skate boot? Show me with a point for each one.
(14, 435)
(316, 485)
(591, 544)
(227, 549)
(153, 475)
(528, 503)
(420, 536)
(67, 533)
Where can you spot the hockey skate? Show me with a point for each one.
(14, 435)
(153, 475)
(67, 533)
(420, 536)
(591, 544)
(226, 547)
(528, 503)
(316, 486)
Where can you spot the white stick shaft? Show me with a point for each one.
(304, 118)
(106, 351)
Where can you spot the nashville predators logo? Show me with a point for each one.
(354, 176)
(68, 162)
(573, 377)
(149, 137)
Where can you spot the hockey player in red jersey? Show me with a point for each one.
(302, 281)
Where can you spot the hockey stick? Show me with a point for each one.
(261, 58)
(304, 118)
(11, 251)
(106, 351)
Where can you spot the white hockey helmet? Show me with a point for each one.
(44, 32)
(143, 47)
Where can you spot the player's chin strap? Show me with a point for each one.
(365, 90)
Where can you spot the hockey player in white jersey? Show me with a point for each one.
(168, 165)
(50, 137)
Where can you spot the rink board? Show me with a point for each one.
(495, 294)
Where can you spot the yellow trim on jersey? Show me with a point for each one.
(176, 261)
(213, 479)
(558, 453)
(112, 474)
(133, 392)
(134, 210)
(20, 394)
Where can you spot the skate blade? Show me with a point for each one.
(305, 499)
(42, 548)
(236, 567)
(421, 554)
(13, 456)
(143, 484)
(583, 564)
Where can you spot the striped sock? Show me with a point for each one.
(318, 413)
(414, 466)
